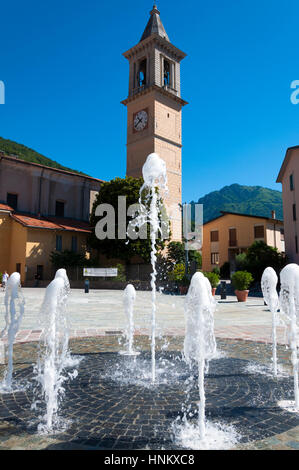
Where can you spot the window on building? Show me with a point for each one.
(259, 231)
(232, 237)
(292, 182)
(59, 209)
(214, 235)
(282, 234)
(18, 268)
(12, 200)
(294, 212)
(74, 244)
(214, 258)
(59, 242)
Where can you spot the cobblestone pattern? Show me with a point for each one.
(107, 413)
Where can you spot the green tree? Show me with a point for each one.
(241, 262)
(123, 249)
(176, 254)
(67, 259)
(259, 256)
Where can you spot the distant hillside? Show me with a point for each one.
(252, 200)
(25, 153)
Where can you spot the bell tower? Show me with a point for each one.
(154, 109)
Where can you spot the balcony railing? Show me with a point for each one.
(170, 89)
(141, 88)
(138, 89)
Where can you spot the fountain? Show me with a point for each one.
(14, 311)
(289, 303)
(129, 300)
(268, 284)
(154, 175)
(200, 343)
(54, 356)
(199, 349)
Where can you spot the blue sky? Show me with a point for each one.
(62, 64)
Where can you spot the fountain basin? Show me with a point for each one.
(109, 413)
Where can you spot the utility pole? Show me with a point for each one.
(185, 238)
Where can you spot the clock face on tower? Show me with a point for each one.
(140, 120)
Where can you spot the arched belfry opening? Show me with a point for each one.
(142, 79)
(166, 73)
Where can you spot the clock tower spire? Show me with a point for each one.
(154, 106)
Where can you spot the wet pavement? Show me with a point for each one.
(112, 405)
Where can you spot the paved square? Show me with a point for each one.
(111, 403)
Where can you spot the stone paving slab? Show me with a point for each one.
(236, 388)
(101, 311)
(251, 332)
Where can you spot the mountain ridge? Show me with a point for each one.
(13, 148)
(249, 200)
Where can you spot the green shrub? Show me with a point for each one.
(216, 271)
(213, 278)
(178, 273)
(67, 259)
(241, 280)
(121, 273)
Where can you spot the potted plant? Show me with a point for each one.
(241, 281)
(214, 280)
(179, 277)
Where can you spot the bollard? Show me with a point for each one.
(223, 290)
(86, 283)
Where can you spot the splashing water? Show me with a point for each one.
(14, 311)
(54, 355)
(200, 343)
(129, 300)
(155, 176)
(268, 284)
(217, 436)
(289, 302)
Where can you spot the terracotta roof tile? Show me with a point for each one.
(52, 223)
(70, 224)
(5, 207)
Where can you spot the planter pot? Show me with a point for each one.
(214, 290)
(183, 290)
(242, 295)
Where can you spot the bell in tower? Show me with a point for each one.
(154, 106)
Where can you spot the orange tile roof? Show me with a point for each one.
(70, 224)
(52, 223)
(5, 207)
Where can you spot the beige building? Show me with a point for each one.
(42, 210)
(289, 178)
(154, 110)
(231, 234)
